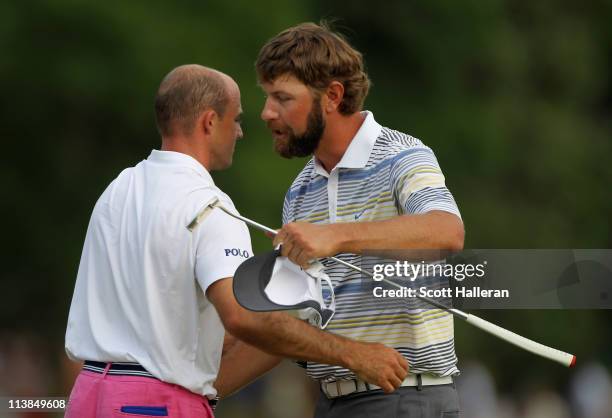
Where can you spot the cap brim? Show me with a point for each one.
(251, 279)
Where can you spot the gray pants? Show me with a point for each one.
(440, 401)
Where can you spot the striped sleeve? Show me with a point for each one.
(285, 215)
(418, 183)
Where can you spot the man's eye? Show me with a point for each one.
(283, 99)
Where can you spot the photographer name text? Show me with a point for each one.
(447, 292)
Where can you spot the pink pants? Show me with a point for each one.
(97, 395)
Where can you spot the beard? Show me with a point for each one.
(305, 144)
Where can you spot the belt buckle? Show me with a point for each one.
(339, 391)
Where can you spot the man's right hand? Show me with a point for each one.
(379, 365)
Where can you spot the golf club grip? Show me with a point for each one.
(550, 353)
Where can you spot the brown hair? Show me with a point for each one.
(316, 56)
(184, 94)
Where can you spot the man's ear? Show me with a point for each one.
(207, 121)
(334, 94)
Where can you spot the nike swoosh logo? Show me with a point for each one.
(358, 215)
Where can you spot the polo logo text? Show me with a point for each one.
(236, 252)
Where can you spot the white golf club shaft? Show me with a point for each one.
(542, 350)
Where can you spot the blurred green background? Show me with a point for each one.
(515, 98)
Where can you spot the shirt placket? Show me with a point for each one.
(332, 193)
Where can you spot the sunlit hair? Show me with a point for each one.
(184, 94)
(316, 56)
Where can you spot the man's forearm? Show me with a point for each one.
(303, 242)
(282, 335)
(432, 230)
(278, 333)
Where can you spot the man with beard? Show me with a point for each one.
(367, 187)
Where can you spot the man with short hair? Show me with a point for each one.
(152, 298)
(366, 188)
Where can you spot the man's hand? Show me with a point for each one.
(380, 365)
(303, 242)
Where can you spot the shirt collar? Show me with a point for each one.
(178, 158)
(358, 152)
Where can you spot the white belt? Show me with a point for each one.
(346, 387)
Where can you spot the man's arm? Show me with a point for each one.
(240, 365)
(282, 335)
(302, 241)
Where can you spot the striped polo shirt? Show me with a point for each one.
(383, 173)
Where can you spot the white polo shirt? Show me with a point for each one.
(140, 290)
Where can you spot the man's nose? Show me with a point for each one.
(268, 113)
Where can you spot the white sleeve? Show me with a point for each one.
(222, 244)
